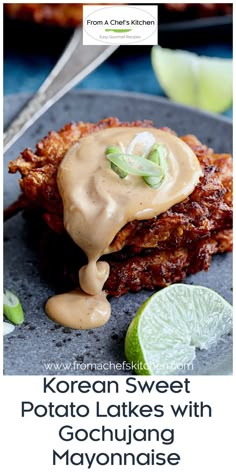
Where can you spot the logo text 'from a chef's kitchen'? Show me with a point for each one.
(120, 25)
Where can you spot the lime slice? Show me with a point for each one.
(203, 82)
(169, 326)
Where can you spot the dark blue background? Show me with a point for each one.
(31, 51)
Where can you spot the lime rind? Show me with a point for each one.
(172, 324)
(200, 81)
(133, 349)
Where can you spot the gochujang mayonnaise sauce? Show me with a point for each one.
(98, 203)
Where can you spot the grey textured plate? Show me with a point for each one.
(41, 347)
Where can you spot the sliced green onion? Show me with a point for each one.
(144, 140)
(162, 150)
(153, 182)
(158, 155)
(135, 165)
(112, 150)
(152, 167)
(117, 170)
(7, 328)
(12, 308)
(154, 155)
(122, 174)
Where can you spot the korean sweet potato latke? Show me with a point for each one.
(149, 253)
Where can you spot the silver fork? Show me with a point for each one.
(76, 62)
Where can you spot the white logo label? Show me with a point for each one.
(120, 24)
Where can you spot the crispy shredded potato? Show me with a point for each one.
(149, 253)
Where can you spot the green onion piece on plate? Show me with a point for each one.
(7, 328)
(12, 308)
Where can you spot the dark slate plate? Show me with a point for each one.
(40, 342)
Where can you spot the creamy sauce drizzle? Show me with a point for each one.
(98, 203)
(78, 310)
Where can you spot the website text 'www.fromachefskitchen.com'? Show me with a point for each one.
(111, 366)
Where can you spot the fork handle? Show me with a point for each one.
(76, 62)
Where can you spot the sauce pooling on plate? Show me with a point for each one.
(98, 203)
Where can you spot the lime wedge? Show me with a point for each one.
(203, 82)
(170, 325)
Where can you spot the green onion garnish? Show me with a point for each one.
(154, 155)
(151, 166)
(113, 150)
(144, 139)
(158, 155)
(7, 328)
(162, 151)
(153, 182)
(135, 165)
(117, 170)
(12, 308)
